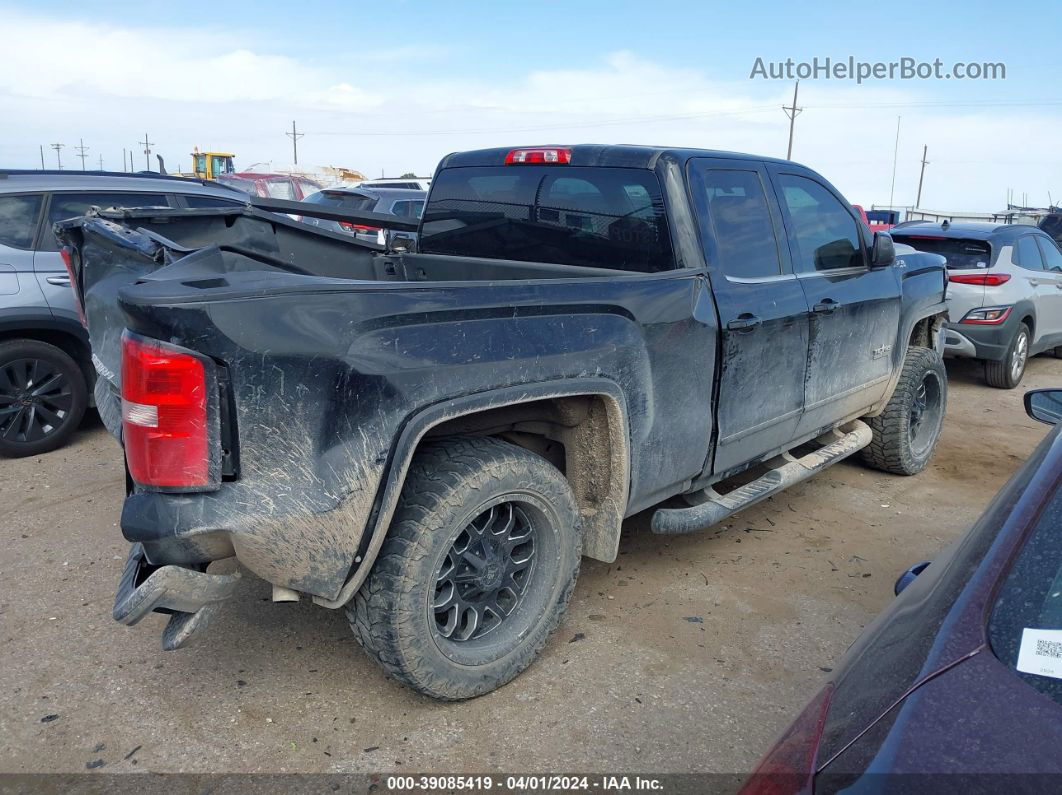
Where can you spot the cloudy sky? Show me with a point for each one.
(392, 87)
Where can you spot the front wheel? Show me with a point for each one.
(476, 571)
(906, 432)
(1007, 374)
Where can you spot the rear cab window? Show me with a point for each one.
(591, 217)
(338, 198)
(961, 254)
(19, 215)
(1028, 610)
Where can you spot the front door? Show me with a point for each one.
(855, 309)
(763, 315)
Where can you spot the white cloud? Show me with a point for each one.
(108, 84)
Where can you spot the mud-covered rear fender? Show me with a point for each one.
(601, 516)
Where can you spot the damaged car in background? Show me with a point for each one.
(433, 440)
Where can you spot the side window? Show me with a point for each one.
(71, 205)
(1027, 254)
(18, 220)
(280, 189)
(209, 201)
(741, 222)
(407, 208)
(1052, 256)
(826, 234)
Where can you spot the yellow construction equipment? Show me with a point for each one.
(210, 165)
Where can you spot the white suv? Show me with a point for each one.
(1004, 294)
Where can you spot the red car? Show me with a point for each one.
(274, 186)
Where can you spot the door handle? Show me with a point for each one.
(62, 281)
(743, 322)
(828, 305)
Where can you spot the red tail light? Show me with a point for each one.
(789, 766)
(541, 156)
(357, 227)
(981, 279)
(67, 254)
(164, 415)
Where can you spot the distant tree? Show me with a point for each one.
(408, 175)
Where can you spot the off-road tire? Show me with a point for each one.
(55, 360)
(891, 449)
(1001, 374)
(1058, 352)
(449, 482)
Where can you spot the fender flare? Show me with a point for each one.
(605, 524)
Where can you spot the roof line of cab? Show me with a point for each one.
(601, 155)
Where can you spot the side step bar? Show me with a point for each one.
(785, 471)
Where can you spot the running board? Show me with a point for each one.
(785, 472)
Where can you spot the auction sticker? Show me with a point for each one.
(1041, 652)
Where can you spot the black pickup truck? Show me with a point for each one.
(432, 440)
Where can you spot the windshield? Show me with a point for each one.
(961, 254)
(592, 217)
(1025, 629)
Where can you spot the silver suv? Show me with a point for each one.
(1004, 293)
(46, 374)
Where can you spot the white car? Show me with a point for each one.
(1004, 293)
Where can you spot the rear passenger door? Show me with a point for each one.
(51, 272)
(763, 314)
(855, 310)
(1053, 309)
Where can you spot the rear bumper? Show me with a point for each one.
(190, 597)
(980, 342)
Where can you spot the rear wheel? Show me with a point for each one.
(476, 571)
(1007, 374)
(42, 397)
(1058, 352)
(907, 431)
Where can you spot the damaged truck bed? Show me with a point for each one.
(432, 440)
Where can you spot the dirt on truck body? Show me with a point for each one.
(433, 440)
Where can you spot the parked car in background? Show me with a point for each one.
(1004, 292)
(399, 202)
(46, 374)
(273, 186)
(410, 183)
(878, 220)
(962, 673)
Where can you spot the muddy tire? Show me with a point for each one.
(1007, 374)
(1058, 352)
(476, 571)
(43, 397)
(906, 432)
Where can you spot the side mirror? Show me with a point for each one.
(1044, 405)
(909, 576)
(883, 253)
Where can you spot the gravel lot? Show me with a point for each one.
(687, 654)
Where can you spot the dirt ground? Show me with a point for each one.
(687, 655)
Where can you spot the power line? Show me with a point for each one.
(921, 175)
(792, 112)
(294, 136)
(81, 149)
(147, 152)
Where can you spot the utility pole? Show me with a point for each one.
(895, 153)
(294, 136)
(132, 168)
(925, 148)
(147, 152)
(792, 113)
(58, 157)
(101, 162)
(42, 157)
(124, 161)
(81, 149)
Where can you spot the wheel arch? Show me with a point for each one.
(587, 418)
(67, 336)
